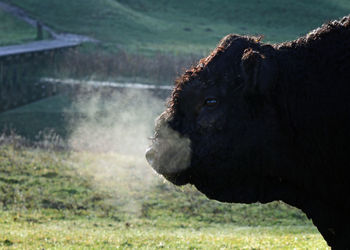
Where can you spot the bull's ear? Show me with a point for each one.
(256, 71)
(251, 66)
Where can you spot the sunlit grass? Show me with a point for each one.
(37, 230)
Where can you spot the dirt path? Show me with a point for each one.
(21, 14)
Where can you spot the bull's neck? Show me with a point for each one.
(293, 64)
(313, 106)
(312, 80)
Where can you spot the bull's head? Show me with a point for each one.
(220, 128)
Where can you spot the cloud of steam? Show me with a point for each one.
(109, 135)
(118, 122)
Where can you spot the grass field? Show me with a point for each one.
(33, 231)
(58, 200)
(182, 26)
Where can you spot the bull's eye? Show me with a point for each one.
(211, 102)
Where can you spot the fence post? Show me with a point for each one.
(39, 31)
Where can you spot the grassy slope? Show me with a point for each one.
(49, 195)
(183, 26)
(46, 114)
(14, 31)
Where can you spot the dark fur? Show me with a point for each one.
(281, 130)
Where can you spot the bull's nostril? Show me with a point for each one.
(150, 153)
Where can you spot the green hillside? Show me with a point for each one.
(14, 31)
(182, 26)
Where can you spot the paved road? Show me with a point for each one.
(36, 47)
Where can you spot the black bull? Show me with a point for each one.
(257, 122)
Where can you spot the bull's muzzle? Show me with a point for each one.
(170, 156)
(150, 156)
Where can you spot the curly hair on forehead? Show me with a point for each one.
(201, 70)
